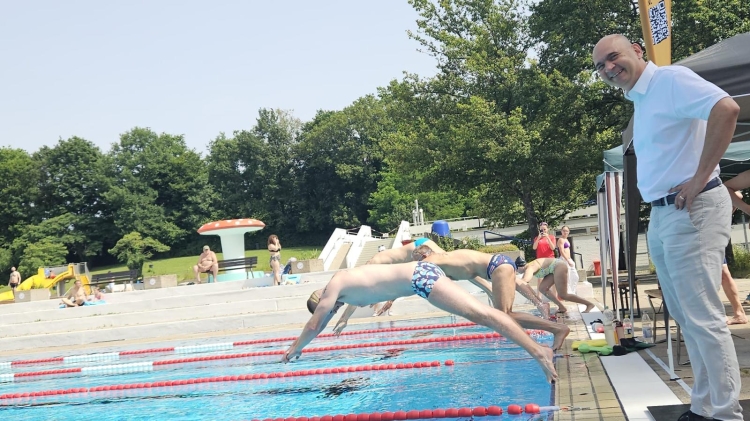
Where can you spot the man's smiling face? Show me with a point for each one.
(618, 62)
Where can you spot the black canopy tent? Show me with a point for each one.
(726, 64)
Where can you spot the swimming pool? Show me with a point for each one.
(486, 371)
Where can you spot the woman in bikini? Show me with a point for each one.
(553, 272)
(274, 247)
(564, 246)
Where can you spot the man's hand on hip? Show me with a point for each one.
(687, 192)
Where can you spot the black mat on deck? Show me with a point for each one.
(672, 412)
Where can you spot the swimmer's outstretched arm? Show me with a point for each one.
(324, 312)
(341, 324)
(484, 286)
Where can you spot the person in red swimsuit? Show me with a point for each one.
(544, 243)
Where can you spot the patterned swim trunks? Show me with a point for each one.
(496, 261)
(424, 278)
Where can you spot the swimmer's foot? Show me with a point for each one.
(561, 309)
(545, 358)
(589, 308)
(737, 320)
(561, 332)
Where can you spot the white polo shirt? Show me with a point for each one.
(672, 104)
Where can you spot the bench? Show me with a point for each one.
(128, 276)
(245, 263)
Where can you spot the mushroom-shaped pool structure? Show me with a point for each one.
(232, 234)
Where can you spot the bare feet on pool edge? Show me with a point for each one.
(589, 308)
(545, 358)
(737, 320)
(561, 332)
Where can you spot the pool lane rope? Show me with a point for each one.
(115, 356)
(243, 377)
(414, 414)
(376, 416)
(145, 366)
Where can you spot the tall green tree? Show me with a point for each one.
(252, 171)
(160, 187)
(47, 252)
(72, 182)
(493, 121)
(70, 230)
(338, 164)
(18, 190)
(565, 31)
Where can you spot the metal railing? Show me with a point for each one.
(504, 238)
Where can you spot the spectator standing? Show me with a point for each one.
(15, 279)
(682, 126)
(274, 247)
(544, 243)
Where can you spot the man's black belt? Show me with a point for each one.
(669, 200)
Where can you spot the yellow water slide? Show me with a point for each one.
(39, 281)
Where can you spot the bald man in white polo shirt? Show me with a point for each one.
(682, 127)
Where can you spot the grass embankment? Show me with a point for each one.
(183, 266)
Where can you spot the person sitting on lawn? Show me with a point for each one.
(207, 263)
(76, 297)
(370, 284)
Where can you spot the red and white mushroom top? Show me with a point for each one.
(231, 224)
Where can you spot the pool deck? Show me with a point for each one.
(589, 387)
(620, 388)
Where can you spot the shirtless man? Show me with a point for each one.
(501, 271)
(369, 284)
(15, 279)
(553, 272)
(401, 254)
(207, 262)
(76, 297)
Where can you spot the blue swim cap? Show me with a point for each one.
(421, 240)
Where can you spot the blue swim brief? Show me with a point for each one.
(419, 241)
(496, 261)
(424, 278)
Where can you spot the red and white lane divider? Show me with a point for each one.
(225, 346)
(479, 411)
(150, 365)
(243, 377)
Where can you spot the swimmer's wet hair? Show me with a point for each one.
(312, 302)
(421, 252)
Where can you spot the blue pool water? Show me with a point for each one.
(486, 372)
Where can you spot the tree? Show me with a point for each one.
(253, 170)
(493, 121)
(565, 31)
(160, 187)
(18, 190)
(393, 202)
(46, 252)
(133, 250)
(338, 162)
(69, 230)
(72, 183)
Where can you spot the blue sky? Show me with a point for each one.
(95, 69)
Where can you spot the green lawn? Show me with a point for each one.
(183, 266)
